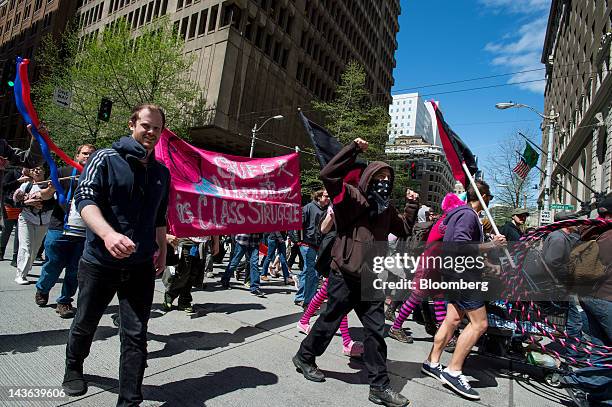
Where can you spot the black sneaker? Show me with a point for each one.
(187, 308)
(434, 372)
(258, 293)
(400, 335)
(451, 345)
(225, 285)
(431, 328)
(460, 385)
(74, 383)
(309, 370)
(388, 397)
(167, 304)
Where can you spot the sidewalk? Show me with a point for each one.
(235, 351)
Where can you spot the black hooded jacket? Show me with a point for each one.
(356, 229)
(132, 196)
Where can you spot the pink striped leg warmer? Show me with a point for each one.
(315, 303)
(344, 331)
(440, 311)
(406, 309)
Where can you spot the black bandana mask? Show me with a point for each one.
(378, 196)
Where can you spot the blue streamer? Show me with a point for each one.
(61, 196)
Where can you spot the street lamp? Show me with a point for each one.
(256, 129)
(552, 120)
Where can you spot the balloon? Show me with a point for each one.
(27, 111)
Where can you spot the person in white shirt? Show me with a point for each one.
(33, 220)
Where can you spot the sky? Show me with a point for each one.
(459, 40)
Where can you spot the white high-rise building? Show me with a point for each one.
(410, 117)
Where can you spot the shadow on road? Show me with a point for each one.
(180, 342)
(196, 391)
(33, 341)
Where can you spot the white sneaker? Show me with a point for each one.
(209, 274)
(22, 281)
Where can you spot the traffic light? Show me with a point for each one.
(413, 170)
(8, 77)
(104, 113)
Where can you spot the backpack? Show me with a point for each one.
(540, 278)
(584, 264)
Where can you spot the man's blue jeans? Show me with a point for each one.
(62, 251)
(574, 328)
(596, 381)
(252, 255)
(308, 277)
(274, 246)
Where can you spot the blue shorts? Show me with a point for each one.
(468, 305)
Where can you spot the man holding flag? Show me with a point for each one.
(462, 227)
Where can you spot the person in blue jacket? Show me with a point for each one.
(122, 197)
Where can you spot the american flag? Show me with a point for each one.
(521, 169)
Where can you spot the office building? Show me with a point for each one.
(410, 118)
(259, 58)
(579, 88)
(23, 24)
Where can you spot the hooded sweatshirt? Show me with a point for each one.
(132, 196)
(356, 228)
(462, 226)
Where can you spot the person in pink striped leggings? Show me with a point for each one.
(349, 346)
(450, 201)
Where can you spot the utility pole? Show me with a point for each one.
(549, 160)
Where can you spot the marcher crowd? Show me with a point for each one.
(110, 238)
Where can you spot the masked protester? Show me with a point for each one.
(363, 215)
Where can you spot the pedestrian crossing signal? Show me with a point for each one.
(104, 113)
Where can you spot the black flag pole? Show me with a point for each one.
(560, 165)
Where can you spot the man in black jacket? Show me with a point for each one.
(122, 197)
(512, 228)
(363, 216)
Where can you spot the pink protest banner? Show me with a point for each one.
(213, 193)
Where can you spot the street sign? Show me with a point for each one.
(62, 97)
(545, 217)
(562, 207)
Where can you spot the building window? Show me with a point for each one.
(212, 25)
(184, 24)
(193, 25)
(202, 25)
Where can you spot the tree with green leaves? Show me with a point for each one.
(353, 113)
(128, 67)
(350, 115)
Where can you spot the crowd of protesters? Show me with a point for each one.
(108, 245)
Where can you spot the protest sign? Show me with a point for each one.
(213, 193)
